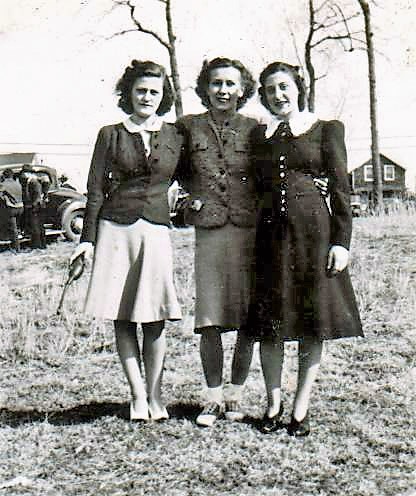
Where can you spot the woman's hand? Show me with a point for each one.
(337, 259)
(85, 248)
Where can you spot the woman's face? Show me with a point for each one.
(224, 88)
(146, 95)
(281, 94)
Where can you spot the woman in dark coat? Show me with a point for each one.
(126, 227)
(302, 286)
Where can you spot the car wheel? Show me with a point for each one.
(72, 222)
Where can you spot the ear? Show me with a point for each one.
(240, 92)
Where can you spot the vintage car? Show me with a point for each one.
(64, 209)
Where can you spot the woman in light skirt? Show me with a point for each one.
(126, 230)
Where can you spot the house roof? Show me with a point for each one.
(17, 158)
(385, 159)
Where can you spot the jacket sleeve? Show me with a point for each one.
(183, 170)
(95, 187)
(335, 160)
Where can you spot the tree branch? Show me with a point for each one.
(323, 24)
(321, 6)
(336, 38)
(138, 24)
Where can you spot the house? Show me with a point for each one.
(18, 158)
(393, 180)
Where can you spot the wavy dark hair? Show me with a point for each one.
(293, 71)
(202, 82)
(137, 69)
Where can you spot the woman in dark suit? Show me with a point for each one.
(126, 228)
(217, 172)
(302, 287)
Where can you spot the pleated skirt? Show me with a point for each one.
(132, 274)
(223, 265)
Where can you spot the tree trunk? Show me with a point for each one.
(375, 153)
(173, 61)
(308, 59)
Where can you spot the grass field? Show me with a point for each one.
(64, 427)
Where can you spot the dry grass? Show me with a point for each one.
(63, 398)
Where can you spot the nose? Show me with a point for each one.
(147, 96)
(223, 88)
(278, 93)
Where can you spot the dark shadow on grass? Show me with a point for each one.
(85, 414)
(82, 414)
(190, 411)
(181, 410)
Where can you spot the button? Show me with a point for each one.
(222, 188)
(283, 209)
(226, 123)
(282, 201)
(282, 174)
(281, 158)
(222, 172)
(283, 192)
(156, 145)
(282, 166)
(224, 141)
(220, 155)
(244, 178)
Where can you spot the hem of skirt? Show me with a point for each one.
(138, 320)
(222, 329)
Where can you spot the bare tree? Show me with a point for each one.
(375, 154)
(327, 23)
(169, 44)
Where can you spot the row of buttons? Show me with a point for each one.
(283, 185)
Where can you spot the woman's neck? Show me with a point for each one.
(141, 120)
(220, 116)
(288, 117)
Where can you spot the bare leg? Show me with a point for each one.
(310, 352)
(272, 355)
(129, 354)
(212, 356)
(154, 350)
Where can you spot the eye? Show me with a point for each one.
(283, 86)
(154, 92)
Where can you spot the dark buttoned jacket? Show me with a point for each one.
(216, 168)
(123, 184)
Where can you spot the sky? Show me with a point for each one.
(60, 64)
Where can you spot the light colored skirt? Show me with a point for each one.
(223, 274)
(132, 274)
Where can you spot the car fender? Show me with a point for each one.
(69, 206)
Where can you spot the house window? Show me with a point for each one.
(368, 173)
(389, 172)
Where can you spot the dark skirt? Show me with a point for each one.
(293, 295)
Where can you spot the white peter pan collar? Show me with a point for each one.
(153, 123)
(299, 124)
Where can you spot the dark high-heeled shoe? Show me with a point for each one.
(299, 428)
(272, 424)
